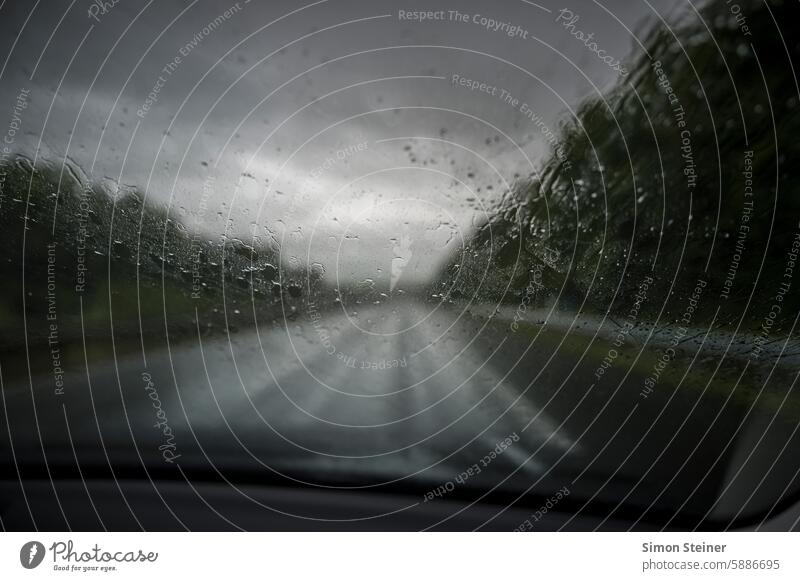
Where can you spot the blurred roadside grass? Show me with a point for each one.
(702, 375)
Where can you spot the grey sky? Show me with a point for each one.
(277, 111)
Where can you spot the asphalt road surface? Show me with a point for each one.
(403, 392)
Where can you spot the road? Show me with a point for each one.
(403, 391)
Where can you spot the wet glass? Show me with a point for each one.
(496, 252)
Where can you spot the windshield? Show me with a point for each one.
(483, 250)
